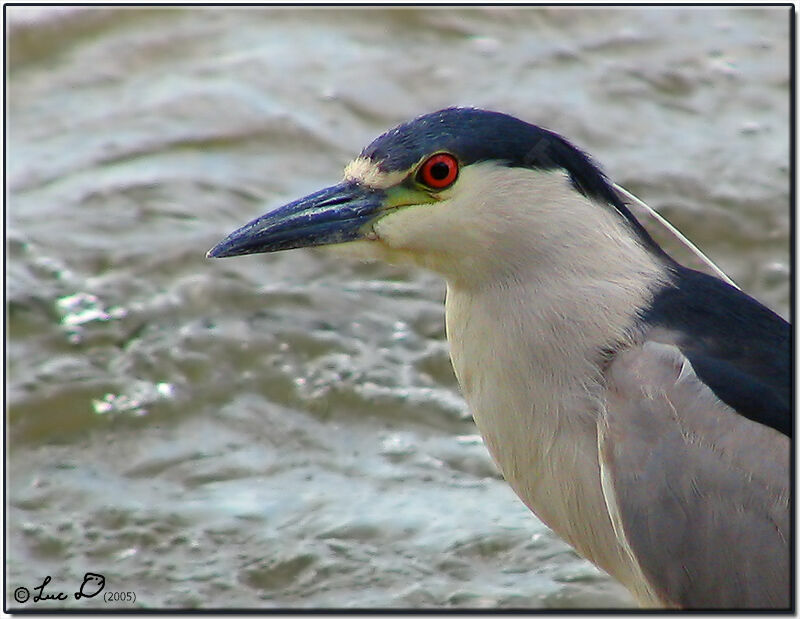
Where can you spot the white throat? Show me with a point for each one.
(525, 349)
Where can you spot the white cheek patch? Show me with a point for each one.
(366, 172)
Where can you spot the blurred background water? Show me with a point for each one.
(285, 430)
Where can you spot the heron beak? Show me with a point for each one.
(336, 214)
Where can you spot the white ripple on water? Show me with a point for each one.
(142, 393)
(82, 308)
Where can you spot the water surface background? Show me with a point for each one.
(285, 430)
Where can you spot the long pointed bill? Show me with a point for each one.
(333, 215)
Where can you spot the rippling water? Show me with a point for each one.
(286, 430)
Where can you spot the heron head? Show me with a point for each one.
(459, 189)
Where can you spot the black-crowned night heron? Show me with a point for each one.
(641, 409)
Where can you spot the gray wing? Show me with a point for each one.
(698, 494)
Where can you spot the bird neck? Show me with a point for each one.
(547, 330)
(527, 351)
(548, 285)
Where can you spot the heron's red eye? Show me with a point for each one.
(439, 171)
